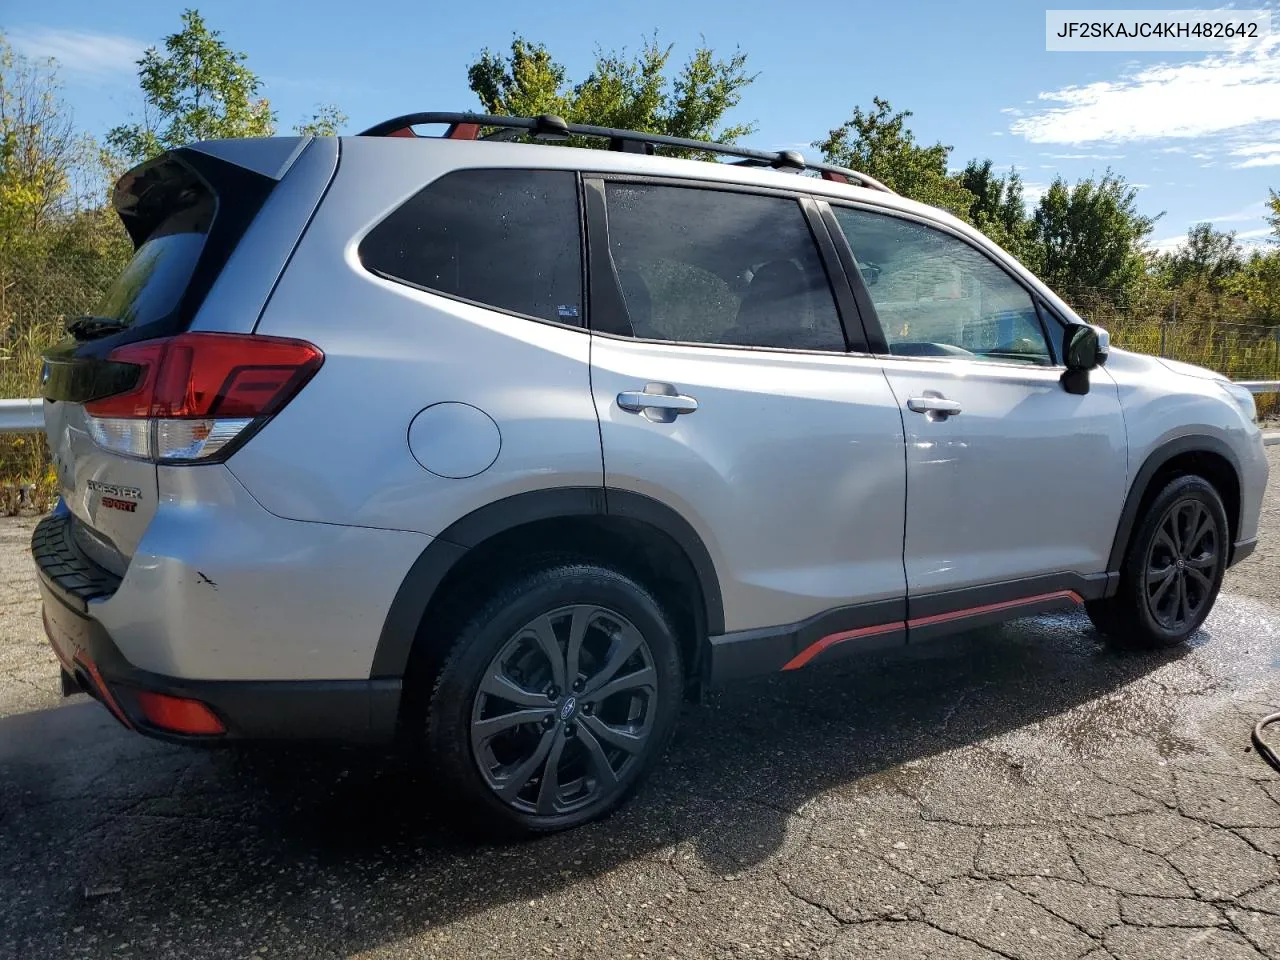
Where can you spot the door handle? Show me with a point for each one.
(936, 408)
(659, 402)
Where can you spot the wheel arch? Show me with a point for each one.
(1198, 454)
(565, 508)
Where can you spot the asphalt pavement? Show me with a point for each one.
(1021, 792)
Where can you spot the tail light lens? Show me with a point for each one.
(198, 396)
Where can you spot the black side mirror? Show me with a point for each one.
(1084, 347)
(1080, 347)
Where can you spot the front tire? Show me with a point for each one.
(556, 698)
(1172, 569)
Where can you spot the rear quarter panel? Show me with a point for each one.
(339, 452)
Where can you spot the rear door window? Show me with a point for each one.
(699, 265)
(508, 239)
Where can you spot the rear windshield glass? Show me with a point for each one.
(157, 276)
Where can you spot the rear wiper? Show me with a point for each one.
(91, 328)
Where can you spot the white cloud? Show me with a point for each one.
(1269, 160)
(1257, 234)
(1032, 192)
(1259, 154)
(1252, 148)
(1213, 95)
(93, 55)
(1168, 244)
(1254, 211)
(1084, 156)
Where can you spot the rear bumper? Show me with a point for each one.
(343, 711)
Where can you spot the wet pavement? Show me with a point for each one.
(1019, 792)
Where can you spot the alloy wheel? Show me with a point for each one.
(1182, 565)
(564, 710)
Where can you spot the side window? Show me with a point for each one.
(503, 238)
(937, 296)
(712, 266)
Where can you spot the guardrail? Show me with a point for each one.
(27, 416)
(22, 416)
(1260, 386)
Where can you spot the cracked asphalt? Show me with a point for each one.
(1019, 792)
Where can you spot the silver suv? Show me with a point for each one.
(507, 449)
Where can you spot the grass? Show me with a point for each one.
(27, 477)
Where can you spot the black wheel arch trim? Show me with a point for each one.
(1138, 489)
(409, 607)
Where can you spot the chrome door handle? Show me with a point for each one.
(659, 402)
(938, 408)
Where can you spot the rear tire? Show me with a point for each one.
(1172, 569)
(556, 698)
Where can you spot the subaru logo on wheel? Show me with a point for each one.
(567, 708)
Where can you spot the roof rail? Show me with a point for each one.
(467, 126)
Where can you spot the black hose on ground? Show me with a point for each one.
(1263, 748)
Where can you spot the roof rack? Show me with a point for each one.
(468, 126)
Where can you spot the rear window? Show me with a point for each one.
(502, 238)
(152, 285)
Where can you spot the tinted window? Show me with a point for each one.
(157, 276)
(708, 266)
(505, 238)
(936, 295)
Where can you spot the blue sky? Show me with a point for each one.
(1200, 132)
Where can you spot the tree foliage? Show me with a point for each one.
(880, 144)
(197, 89)
(325, 122)
(1089, 235)
(40, 149)
(1207, 260)
(633, 91)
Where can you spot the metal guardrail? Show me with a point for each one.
(22, 416)
(27, 416)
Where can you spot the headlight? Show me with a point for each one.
(1242, 398)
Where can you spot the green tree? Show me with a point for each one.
(632, 91)
(40, 150)
(996, 199)
(880, 144)
(997, 208)
(325, 122)
(1258, 280)
(1089, 235)
(1258, 284)
(198, 89)
(1207, 260)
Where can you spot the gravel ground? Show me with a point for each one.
(1018, 792)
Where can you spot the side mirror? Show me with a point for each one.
(1084, 347)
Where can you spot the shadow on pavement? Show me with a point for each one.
(212, 849)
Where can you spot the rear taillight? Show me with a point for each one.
(198, 396)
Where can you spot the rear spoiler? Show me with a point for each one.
(154, 188)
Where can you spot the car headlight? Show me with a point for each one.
(1242, 398)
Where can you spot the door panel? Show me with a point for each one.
(783, 451)
(1026, 479)
(1008, 475)
(790, 469)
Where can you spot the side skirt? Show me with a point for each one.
(859, 628)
